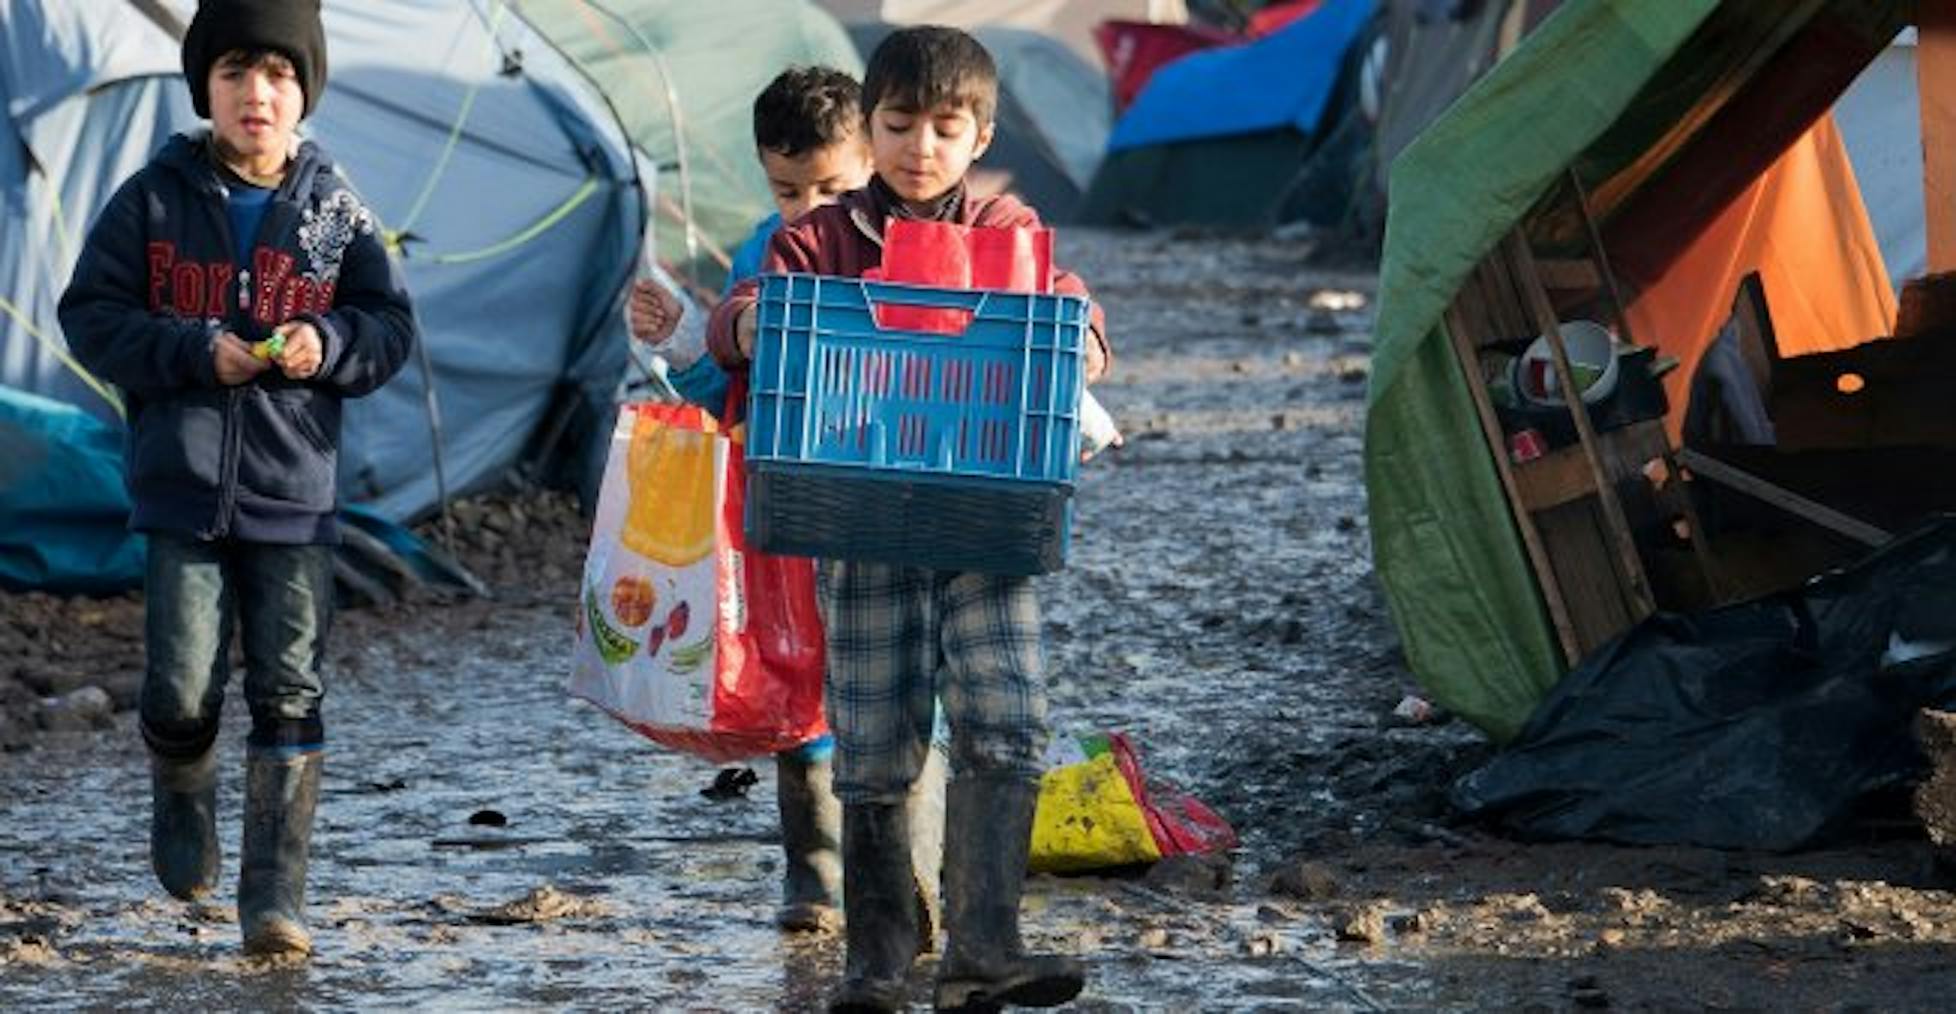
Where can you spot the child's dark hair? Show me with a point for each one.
(918, 68)
(251, 56)
(806, 108)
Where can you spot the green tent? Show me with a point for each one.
(1667, 109)
(683, 77)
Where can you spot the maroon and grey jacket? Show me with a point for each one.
(844, 239)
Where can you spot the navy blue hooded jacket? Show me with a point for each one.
(157, 283)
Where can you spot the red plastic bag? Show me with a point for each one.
(1097, 811)
(945, 255)
(1180, 823)
(682, 634)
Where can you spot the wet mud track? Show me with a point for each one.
(486, 843)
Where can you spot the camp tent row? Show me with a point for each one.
(513, 151)
(525, 159)
(1673, 171)
(1297, 125)
(499, 170)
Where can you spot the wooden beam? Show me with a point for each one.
(1935, 80)
(1616, 528)
(1466, 350)
(1569, 275)
(1602, 258)
(1680, 493)
(1785, 499)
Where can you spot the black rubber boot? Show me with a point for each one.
(183, 823)
(988, 831)
(926, 804)
(281, 793)
(880, 916)
(811, 833)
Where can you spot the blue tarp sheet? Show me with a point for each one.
(64, 514)
(1285, 79)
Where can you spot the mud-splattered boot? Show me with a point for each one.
(880, 908)
(926, 804)
(985, 967)
(281, 792)
(183, 823)
(811, 841)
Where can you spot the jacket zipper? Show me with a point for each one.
(232, 436)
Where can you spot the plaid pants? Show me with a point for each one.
(902, 638)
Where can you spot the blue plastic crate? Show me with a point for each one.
(956, 452)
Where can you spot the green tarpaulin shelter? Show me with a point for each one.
(1666, 109)
(683, 77)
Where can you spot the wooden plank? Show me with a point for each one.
(1602, 259)
(1781, 497)
(1570, 274)
(1677, 492)
(1503, 300)
(1758, 342)
(1636, 586)
(1587, 567)
(1935, 73)
(1465, 350)
(1563, 474)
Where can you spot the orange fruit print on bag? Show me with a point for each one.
(674, 492)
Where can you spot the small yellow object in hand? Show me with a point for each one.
(270, 348)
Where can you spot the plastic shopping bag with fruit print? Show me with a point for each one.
(681, 633)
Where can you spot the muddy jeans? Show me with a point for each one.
(280, 599)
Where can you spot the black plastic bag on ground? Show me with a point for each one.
(1752, 726)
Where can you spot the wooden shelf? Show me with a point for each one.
(1563, 475)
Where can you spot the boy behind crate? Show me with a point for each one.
(900, 638)
(810, 139)
(238, 293)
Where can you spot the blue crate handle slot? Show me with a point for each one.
(882, 294)
(902, 294)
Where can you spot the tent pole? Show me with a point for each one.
(1602, 258)
(1695, 533)
(435, 442)
(164, 17)
(1616, 528)
(678, 126)
(1935, 73)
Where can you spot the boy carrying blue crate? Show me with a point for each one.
(901, 638)
(808, 135)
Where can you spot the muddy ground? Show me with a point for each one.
(1219, 608)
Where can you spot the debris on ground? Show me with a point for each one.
(542, 904)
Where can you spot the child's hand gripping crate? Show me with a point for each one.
(955, 452)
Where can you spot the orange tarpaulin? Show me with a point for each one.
(1802, 226)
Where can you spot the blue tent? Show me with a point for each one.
(513, 192)
(1219, 136)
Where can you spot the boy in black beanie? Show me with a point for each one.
(238, 293)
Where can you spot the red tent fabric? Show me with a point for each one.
(1134, 50)
(1277, 15)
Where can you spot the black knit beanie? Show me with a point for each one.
(290, 27)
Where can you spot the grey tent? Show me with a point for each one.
(1883, 132)
(1068, 22)
(513, 192)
